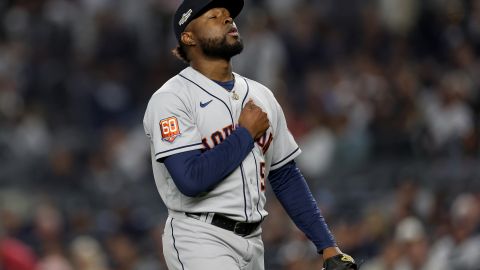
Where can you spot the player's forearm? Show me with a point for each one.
(195, 172)
(292, 191)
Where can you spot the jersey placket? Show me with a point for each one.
(249, 167)
(236, 105)
(258, 201)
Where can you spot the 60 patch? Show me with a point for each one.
(170, 129)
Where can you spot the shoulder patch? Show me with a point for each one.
(169, 129)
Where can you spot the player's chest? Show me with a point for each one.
(215, 107)
(217, 115)
(216, 118)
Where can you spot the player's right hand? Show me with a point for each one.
(254, 120)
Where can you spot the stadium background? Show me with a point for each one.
(383, 97)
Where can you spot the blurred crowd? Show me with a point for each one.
(383, 97)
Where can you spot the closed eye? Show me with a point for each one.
(212, 17)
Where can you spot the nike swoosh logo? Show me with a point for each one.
(203, 105)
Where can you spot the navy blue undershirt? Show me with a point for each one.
(196, 172)
(292, 191)
(228, 85)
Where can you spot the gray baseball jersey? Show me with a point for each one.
(192, 112)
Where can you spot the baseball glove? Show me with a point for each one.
(340, 262)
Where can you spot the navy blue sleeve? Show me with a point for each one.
(292, 191)
(195, 172)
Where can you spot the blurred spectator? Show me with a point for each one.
(263, 58)
(448, 116)
(15, 255)
(54, 262)
(87, 254)
(386, 260)
(460, 249)
(318, 148)
(399, 16)
(411, 237)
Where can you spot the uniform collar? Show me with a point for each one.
(208, 85)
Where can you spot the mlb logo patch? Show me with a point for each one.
(170, 129)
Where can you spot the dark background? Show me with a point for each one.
(383, 97)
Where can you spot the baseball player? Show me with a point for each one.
(216, 137)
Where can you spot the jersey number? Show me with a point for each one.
(262, 176)
(169, 128)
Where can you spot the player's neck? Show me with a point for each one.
(214, 69)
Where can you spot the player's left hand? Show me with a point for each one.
(340, 262)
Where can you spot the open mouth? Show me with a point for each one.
(233, 32)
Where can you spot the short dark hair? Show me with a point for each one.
(181, 53)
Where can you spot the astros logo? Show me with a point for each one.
(220, 135)
(169, 128)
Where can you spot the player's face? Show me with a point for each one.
(217, 34)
